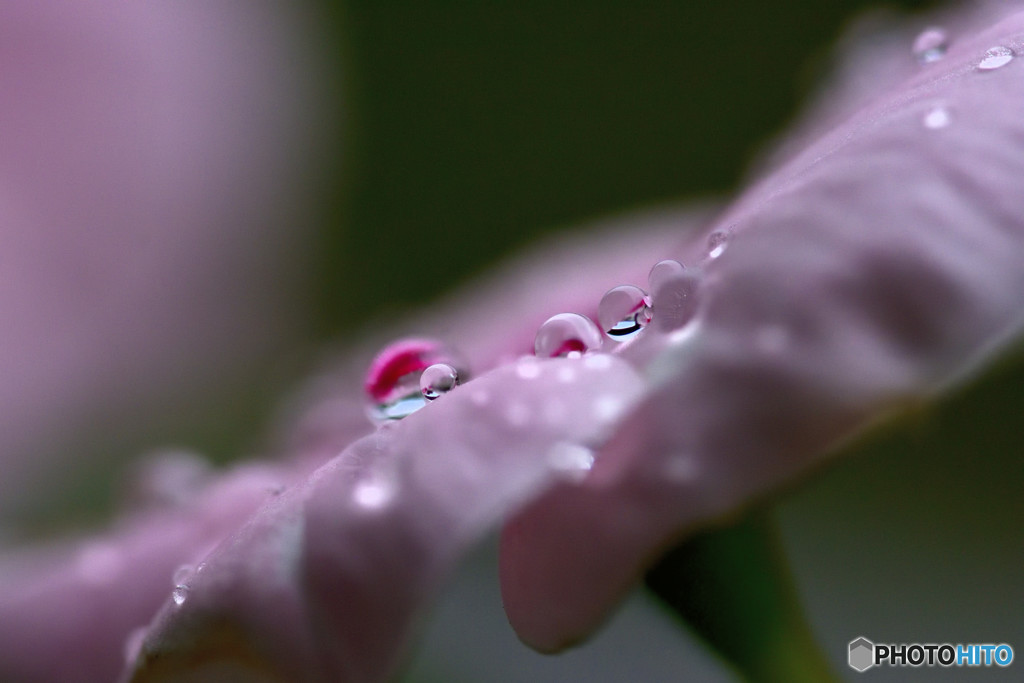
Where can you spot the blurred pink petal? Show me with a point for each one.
(149, 157)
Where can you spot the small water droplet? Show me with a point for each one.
(662, 272)
(572, 460)
(182, 575)
(930, 45)
(937, 118)
(375, 490)
(179, 595)
(718, 242)
(996, 57)
(438, 379)
(392, 383)
(566, 334)
(624, 312)
(528, 368)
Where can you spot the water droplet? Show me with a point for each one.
(930, 45)
(718, 241)
(624, 312)
(662, 272)
(675, 299)
(528, 368)
(572, 460)
(373, 493)
(937, 118)
(393, 381)
(179, 595)
(438, 379)
(182, 575)
(566, 334)
(995, 57)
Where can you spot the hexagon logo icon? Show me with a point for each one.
(862, 654)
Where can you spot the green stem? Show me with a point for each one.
(732, 586)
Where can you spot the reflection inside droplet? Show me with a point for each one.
(930, 45)
(566, 335)
(624, 312)
(996, 57)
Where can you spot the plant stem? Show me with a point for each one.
(732, 586)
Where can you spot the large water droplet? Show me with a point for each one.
(718, 242)
(438, 379)
(662, 272)
(930, 45)
(566, 334)
(624, 312)
(937, 118)
(996, 57)
(393, 381)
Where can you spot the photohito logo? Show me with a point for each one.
(864, 654)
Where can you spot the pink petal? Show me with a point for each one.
(879, 267)
(147, 157)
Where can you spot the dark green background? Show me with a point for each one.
(476, 126)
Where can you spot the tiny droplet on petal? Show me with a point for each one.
(937, 118)
(179, 595)
(566, 334)
(930, 45)
(624, 312)
(572, 460)
(996, 57)
(662, 271)
(438, 379)
(182, 575)
(718, 241)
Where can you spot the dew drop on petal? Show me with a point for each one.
(937, 118)
(373, 493)
(566, 334)
(624, 312)
(718, 241)
(182, 575)
(930, 45)
(179, 595)
(392, 384)
(663, 271)
(996, 57)
(438, 379)
(572, 460)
